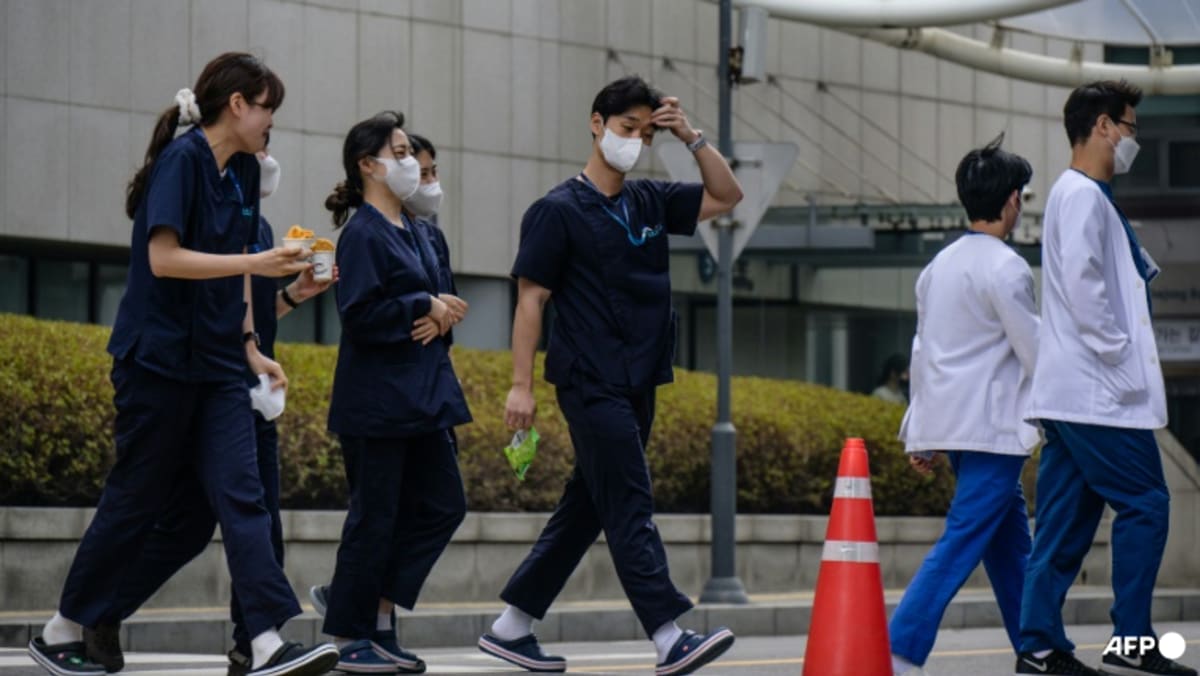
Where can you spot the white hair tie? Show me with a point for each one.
(189, 112)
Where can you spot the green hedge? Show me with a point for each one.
(56, 433)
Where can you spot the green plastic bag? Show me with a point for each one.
(521, 451)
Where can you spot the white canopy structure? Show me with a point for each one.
(912, 24)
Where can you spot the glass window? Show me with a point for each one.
(62, 290)
(14, 284)
(110, 286)
(1184, 159)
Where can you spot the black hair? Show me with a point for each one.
(228, 74)
(986, 178)
(620, 95)
(1086, 104)
(365, 139)
(895, 364)
(420, 143)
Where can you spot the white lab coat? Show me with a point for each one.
(1097, 359)
(974, 351)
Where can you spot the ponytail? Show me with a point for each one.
(343, 198)
(164, 132)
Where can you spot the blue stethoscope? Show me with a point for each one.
(636, 240)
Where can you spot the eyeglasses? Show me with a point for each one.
(1132, 126)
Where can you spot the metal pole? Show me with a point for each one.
(724, 585)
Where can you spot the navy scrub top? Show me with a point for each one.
(189, 330)
(445, 281)
(606, 262)
(386, 384)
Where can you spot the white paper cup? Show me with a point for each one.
(323, 265)
(299, 243)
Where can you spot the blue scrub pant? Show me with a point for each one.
(185, 529)
(609, 490)
(1082, 468)
(171, 434)
(987, 522)
(406, 501)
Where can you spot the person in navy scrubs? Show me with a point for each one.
(596, 247)
(395, 396)
(423, 207)
(180, 345)
(186, 528)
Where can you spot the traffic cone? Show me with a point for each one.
(848, 633)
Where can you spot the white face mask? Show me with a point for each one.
(1124, 152)
(620, 153)
(426, 200)
(403, 176)
(268, 181)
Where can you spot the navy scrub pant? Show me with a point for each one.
(608, 491)
(171, 434)
(987, 522)
(1082, 468)
(406, 501)
(185, 529)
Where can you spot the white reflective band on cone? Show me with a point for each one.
(852, 487)
(856, 552)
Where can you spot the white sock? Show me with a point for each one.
(664, 639)
(383, 622)
(264, 646)
(1042, 654)
(900, 665)
(340, 643)
(512, 624)
(61, 630)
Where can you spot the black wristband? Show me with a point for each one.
(287, 298)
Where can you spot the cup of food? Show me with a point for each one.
(322, 259)
(298, 238)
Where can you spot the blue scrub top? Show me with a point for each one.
(445, 281)
(606, 262)
(189, 330)
(386, 384)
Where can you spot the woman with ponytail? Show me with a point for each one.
(395, 396)
(183, 337)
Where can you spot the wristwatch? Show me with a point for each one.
(699, 143)
(252, 335)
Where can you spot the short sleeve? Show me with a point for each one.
(681, 205)
(542, 252)
(171, 192)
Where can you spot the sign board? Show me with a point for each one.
(761, 168)
(1178, 339)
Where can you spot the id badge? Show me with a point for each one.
(1152, 269)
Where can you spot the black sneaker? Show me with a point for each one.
(293, 659)
(64, 659)
(239, 663)
(1057, 663)
(104, 646)
(1149, 662)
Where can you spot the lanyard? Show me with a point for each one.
(237, 185)
(635, 240)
